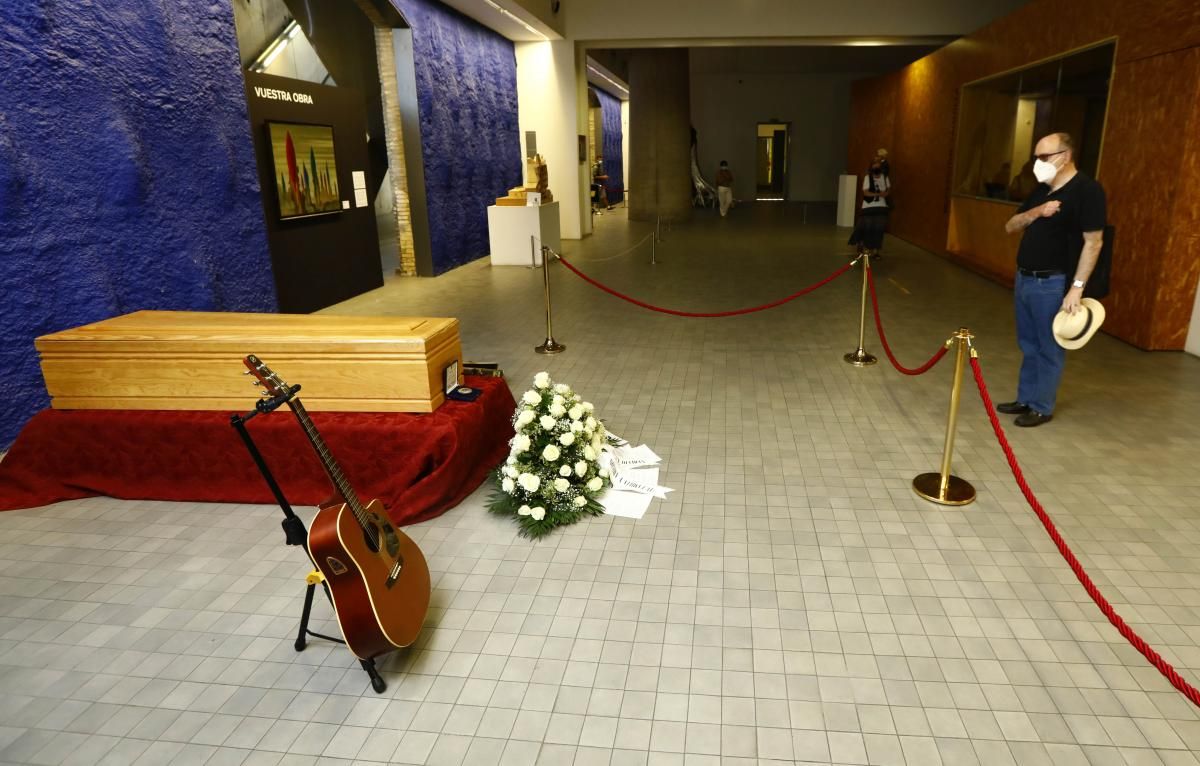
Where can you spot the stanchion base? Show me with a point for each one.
(859, 358)
(958, 491)
(551, 346)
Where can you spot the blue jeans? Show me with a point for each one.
(1037, 301)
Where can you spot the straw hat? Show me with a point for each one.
(1072, 331)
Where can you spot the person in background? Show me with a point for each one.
(600, 184)
(724, 187)
(1062, 224)
(885, 167)
(872, 221)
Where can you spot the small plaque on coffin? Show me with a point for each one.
(184, 360)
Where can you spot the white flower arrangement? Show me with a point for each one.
(552, 476)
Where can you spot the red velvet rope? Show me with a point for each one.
(734, 312)
(1138, 643)
(937, 356)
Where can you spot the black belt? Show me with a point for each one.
(1041, 274)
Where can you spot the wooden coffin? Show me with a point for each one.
(184, 360)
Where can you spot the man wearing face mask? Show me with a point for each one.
(1062, 222)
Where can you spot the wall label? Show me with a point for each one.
(273, 94)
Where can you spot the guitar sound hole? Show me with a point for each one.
(372, 544)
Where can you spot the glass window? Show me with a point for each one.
(1001, 119)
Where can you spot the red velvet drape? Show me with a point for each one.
(418, 465)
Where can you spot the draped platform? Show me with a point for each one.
(419, 465)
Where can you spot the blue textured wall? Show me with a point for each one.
(127, 175)
(467, 97)
(610, 116)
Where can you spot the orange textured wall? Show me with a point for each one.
(1149, 160)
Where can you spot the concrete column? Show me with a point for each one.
(659, 135)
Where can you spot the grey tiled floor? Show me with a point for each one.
(792, 601)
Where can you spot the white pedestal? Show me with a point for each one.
(510, 229)
(847, 196)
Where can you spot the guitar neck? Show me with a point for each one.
(332, 469)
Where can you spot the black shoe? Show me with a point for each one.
(1032, 418)
(1012, 408)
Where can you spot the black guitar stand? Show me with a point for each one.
(295, 533)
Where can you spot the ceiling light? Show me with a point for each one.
(505, 12)
(603, 76)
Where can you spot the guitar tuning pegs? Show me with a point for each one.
(245, 372)
(265, 394)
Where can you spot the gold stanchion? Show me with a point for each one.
(551, 346)
(859, 357)
(944, 488)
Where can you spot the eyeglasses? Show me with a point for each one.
(1046, 157)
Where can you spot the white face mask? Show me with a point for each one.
(1044, 172)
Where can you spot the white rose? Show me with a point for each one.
(537, 513)
(557, 410)
(603, 472)
(562, 485)
(510, 459)
(521, 443)
(531, 397)
(508, 470)
(596, 483)
(524, 510)
(529, 482)
(562, 388)
(588, 406)
(547, 422)
(565, 470)
(525, 418)
(508, 485)
(588, 452)
(576, 426)
(590, 424)
(577, 412)
(580, 468)
(580, 501)
(541, 380)
(567, 439)
(550, 453)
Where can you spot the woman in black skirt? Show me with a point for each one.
(872, 221)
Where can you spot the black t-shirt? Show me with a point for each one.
(1054, 243)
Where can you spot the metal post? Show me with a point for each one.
(944, 488)
(532, 251)
(551, 346)
(859, 357)
(653, 252)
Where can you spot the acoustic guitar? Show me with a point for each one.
(377, 576)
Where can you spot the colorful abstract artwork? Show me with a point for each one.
(306, 179)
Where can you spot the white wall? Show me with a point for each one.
(1192, 344)
(547, 103)
(727, 107)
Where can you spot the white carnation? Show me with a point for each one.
(547, 422)
(567, 439)
(541, 380)
(590, 424)
(562, 485)
(524, 510)
(538, 513)
(562, 388)
(525, 418)
(576, 426)
(521, 443)
(596, 483)
(558, 400)
(603, 472)
(580, 501)
(531, 397)
(557, 410)
(577, 412)
(580, 468)
(551, 452)
(529, 482)
(588, 406)
(588, 452)
(508, 470)
(565, 470)
(508, 485)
